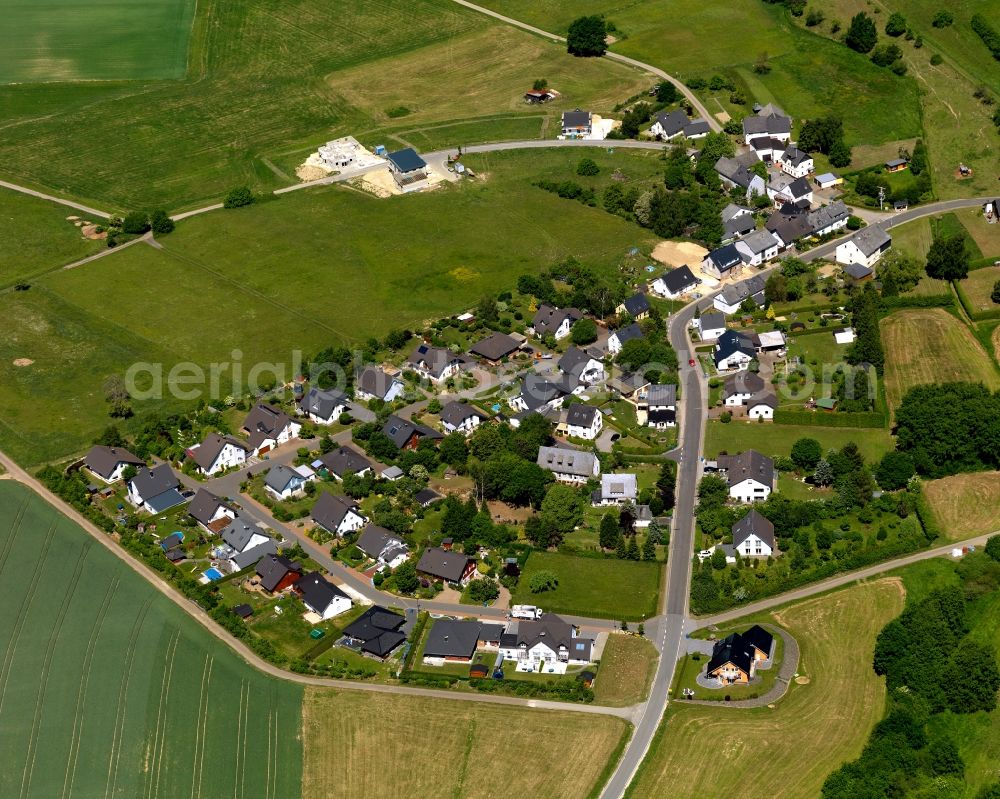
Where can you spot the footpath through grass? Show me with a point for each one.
(808, 734)
(109, 689)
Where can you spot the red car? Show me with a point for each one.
(690, 361)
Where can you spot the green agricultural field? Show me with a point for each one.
(777, 439)
(67, 40)
(601, 587)
(37, 237)
(109, 689)
(809, 733)
(266, 82)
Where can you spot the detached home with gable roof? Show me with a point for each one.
(373, 383)
(711, 326)
(436, 364)
(723, 262)
(584, 421)
(675, 283)
(538, 395)
(269, 427)
(382, 546)
(829, 218)
(616, 489)
(550, 639)
(569, 465)
(795, 162)
(245, 544)
(668, 125)
(338, 515)
(734, 350)
(581, 366)
(277, 573)
(321, 596)
(740, 387)
(155, 490)
(461, 417)
(753, 536)
(217, 453)
(344, 460)
(735, 658)
(210, 511)
(865, 247)
(408, 169)
(769, 121)
(749, 474)
(618, 337)
(735, 173)
(577, 124)
(557, 321)
(732, 296)
(406, 434)
(636, 306)
(108, 463)
(446, 565)
(284, 482)
(657, 406)
(323, 407)
(757, 247)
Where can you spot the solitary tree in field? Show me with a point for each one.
(948, 258)
(862, 35)
(586, 36)
(995, 296)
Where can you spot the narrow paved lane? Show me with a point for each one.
(51, 198)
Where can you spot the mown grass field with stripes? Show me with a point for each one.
(108, 690)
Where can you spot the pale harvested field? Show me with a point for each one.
(978, 288)
(360, 744)
(627, 668)
(931, 346)
(679, 253)
(966, 505)
(986, 236)
(864, 155)
(715, 752)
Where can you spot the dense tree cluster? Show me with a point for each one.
(949, 428)
(948, 257)
(862, 34)
(867, 346)
(826, 135)
(587, 36)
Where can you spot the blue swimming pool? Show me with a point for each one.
(213, 574)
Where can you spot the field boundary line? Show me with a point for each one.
(15, 526)
(43, 674)
(43, 196)
(199, 740)
(159, 735)
(9, 653)
(81, 696)
(118, 732)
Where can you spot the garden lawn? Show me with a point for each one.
(931, 346)
(65, 40)
(977, 292)
(110, 689)
(809, 733)
(345, 732)
(985, 235)
(37, 237)
(628, 664)
(599, 587)
(966, 505)
(777, 439)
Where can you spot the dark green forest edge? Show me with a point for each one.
(939, 661)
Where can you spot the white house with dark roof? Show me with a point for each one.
(749, 474)
(218, 453)
(636, 306)
(784, 188)
(618, 337)
(210, 511)
(557, 321)
(155, 490)
(582, 366)
(436, 364)
(697, 129)
(373, 383)
(461, 417)
(538, 394)
(322, 597)
(577, 124)
(735, 173)
(865, 247)
(323, 406)
(245, 544)
(657, 406)
(108, 463)
(732, 296)
(268, 427)
(284, 482)
(344, 460)
(795, 162)
(762, 405)
(739, 388)
(338, 515)
(757, 247)
(616, 489)
(669, 125)
(737, 225)
(829, 218)
(753, 536)
(675, 283)
(769, 121)
(382, 546)
(768, 148)
(550, 639)
(569, 465)
(584, 421)
(711, 326)
(734, 350)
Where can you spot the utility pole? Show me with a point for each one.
(881, 197)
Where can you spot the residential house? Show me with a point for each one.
(735, 173)
(436, 364)
(577, 124)
(749, 474)
(629, 385)
(569, 465)
(675, 283)
(786, 189)
(108, 463)
(788, 228)
(321, 596)
(762, 405)
(753, 536)
(338, 515)
(616, 489)
(461, 417)
(696, 129)
(458, 640)
(711, 326)
(757, 247)
(344, 460)
(373, 383)
(657, 406)
(733, 296)
(828, 180)
(426, 497)
(446, 565)
(557, 321)
(210, 511)
(406, 434)
(539, 395)
(377, 632)
(584, 421)
(736, 226)
(636, 306)
(155, 490)
(732, 661)
(618, 337)
(284, 482)
(550, 639)
(795, 162)
(769, 121)
(382, 546)
(218, 453)
(737, 389)
(734, 350)
(495, 347)
(323, 407)
(896, 165)
(408, 169)
(858, 272)
(723, 261)
(268, 427)
(581, 366)
(768, 148)
(245, 544)
(668, 125)
(829, 218)
(865, 247)
(277, 573)
(844, 335)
